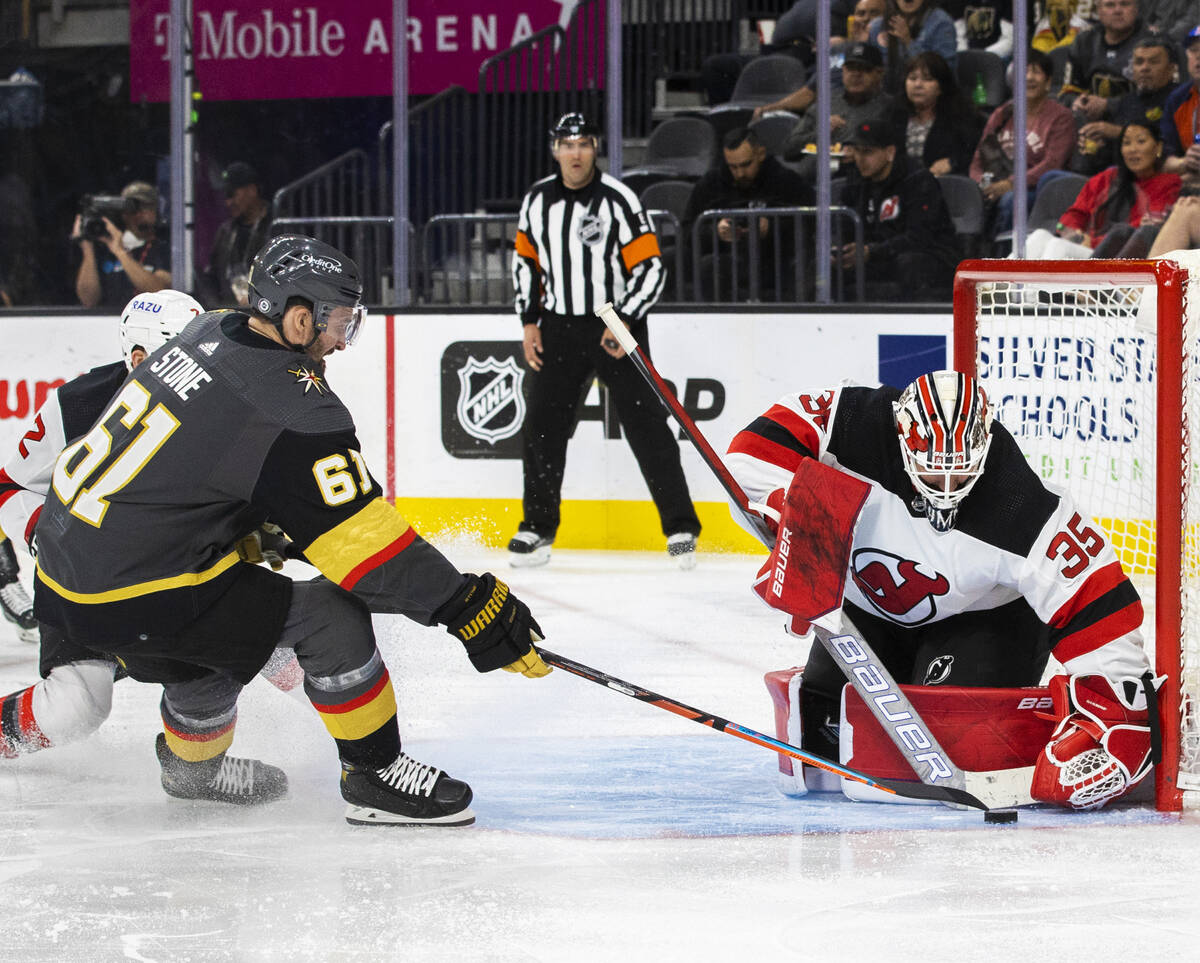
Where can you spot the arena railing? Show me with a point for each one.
(366, 238)
(467, 258)
(339, 187)
(786, 278)
(522, 90)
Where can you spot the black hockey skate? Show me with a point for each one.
(245, 782)
(14, 600)
(406, 793)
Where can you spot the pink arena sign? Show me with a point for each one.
(267, 49)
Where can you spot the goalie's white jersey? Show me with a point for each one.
(1014, 537)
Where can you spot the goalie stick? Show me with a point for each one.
(879, 691)
(952, 795)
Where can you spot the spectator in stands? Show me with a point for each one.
(909, 241)
(986, 24)
(859, 55)
(225, 281)
(1058, 26)
(859, 97)
(910, 27)
(1179, 125)
(1181, 230)
(1049, 138)
(747, 178)
(1152, 70)
(793, 34)
(129, 260)
(941, 127)
(1119, 210)
(1171, 18)
(1099, 57)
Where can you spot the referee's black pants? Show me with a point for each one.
(571, 354)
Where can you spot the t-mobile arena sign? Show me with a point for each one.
(267, 49)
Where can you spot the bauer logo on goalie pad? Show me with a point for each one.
(483, 404)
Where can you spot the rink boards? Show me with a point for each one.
(438, 401)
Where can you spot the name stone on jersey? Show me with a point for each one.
(180, 372)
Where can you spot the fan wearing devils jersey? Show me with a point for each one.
(965, 569)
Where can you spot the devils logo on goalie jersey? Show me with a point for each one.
(896, 586)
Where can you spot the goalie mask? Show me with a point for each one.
(151, 320)
(945, 428)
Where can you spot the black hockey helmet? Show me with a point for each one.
(573, 124)
(296, 266)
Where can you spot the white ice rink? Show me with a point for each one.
(607, 829)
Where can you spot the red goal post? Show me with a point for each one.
(1094, 366)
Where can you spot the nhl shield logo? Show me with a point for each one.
(491, 406)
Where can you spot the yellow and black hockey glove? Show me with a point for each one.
(495, 626)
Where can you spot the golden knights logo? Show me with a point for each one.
(483, 399)
(308, 378)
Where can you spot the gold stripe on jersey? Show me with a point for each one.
(138, 589)
(362, 542)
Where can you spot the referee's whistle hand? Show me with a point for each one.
(533, 346)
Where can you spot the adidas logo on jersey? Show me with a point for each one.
(209, 347)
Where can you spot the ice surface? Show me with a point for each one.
(607, 829)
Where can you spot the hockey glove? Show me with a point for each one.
(266, 544)
(1101, 747)
(494, 625)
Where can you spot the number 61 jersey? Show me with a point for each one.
(1014, 537)
(216, 432)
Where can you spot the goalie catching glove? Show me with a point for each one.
(1102, 746)
(495, 626)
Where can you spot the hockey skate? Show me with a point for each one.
(18, 609)
(14, 600)
(681, 547)
(528, 549)
(228, 779)
(406, 793)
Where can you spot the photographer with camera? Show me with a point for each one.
(120, 261)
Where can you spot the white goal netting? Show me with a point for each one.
(1071, 363)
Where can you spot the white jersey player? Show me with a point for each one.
(965, 569)
(75, 696)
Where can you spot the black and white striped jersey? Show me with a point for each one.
(577, 249)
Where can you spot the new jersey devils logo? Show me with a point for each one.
(896, 586)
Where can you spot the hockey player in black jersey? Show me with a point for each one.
(75, 694)
(964, 570)
(229, 425)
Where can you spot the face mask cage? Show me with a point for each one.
(943, 456)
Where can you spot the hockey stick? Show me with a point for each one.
(879, 691)
(897, 787)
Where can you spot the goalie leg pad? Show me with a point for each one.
(1101, 747)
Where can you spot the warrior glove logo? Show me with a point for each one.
(897, 587)
(491, 406)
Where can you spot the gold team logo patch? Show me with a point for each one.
(310, 379)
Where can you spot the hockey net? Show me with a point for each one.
(1094, 366)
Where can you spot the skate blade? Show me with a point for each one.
(366, 816)
(539, 556)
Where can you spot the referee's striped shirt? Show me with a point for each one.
(577, 249)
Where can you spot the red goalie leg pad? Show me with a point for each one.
(805, 574)
(1100, 748)
(777, 684)
(981, 729)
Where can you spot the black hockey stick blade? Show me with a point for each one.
(950, 795)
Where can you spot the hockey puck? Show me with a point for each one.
(1000, 816)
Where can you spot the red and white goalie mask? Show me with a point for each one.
(945, 428)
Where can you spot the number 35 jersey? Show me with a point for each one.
(218, 431)
(1014, 537)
